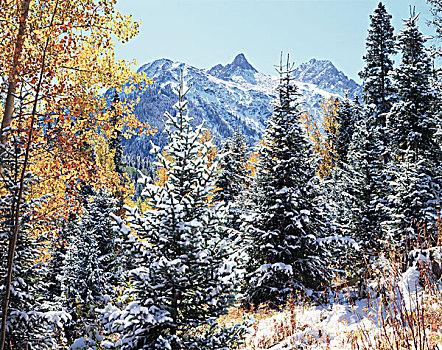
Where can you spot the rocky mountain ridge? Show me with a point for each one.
(229, 96)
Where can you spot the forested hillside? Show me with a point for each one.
(289, 231)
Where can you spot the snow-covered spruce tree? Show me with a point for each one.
(116, 148)
(184, 278)
(347, 114)
(55, 262)
(362, 184)
(438, 135)
(285, 227)
(57, 252)
(26, 318)
(117, 137)
(88, 272)
(357, 183)
(412, 123)
(232, 177)
(378, 88)
(356, 193)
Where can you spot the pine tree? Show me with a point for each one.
(233, 177)
(359, 191)
(378, 89)
(27, 321)
(89, 268)
(284, 230)
(413, 123)
(348, 113)
(115, 145)
(362, 184)
(356, 193)
(183, 280)
(116, 139)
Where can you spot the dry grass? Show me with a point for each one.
(404, 320)
(396, 316)
(408, 316)
(274, 325)
(389, 321)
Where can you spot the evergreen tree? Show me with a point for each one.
(89, 268)
(183, 280)
(285, 227)
(361, 185)
(378, 89)
(357, 192)
(116, 147)
(27, 321)
(413, 122)
(359, 189)
(116, 139)
(57, 253)
(232, 177)
(347, 114)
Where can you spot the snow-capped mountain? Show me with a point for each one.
(227, 97)
(326, 76)
(239, 69)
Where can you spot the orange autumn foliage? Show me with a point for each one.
(162, 173)
(324, 138)
(67, 61)
(251, 163)
(207, 137)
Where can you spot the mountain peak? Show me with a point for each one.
(229, 95)
(241, 61)
(315, 63)
(315, 60)
(325, 75)
(159, 64)
(239, 67)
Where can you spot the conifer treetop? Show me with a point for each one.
(380, 45)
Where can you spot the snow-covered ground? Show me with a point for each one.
(396, 307)
(318, 327)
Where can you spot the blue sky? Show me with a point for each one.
(206, 32)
